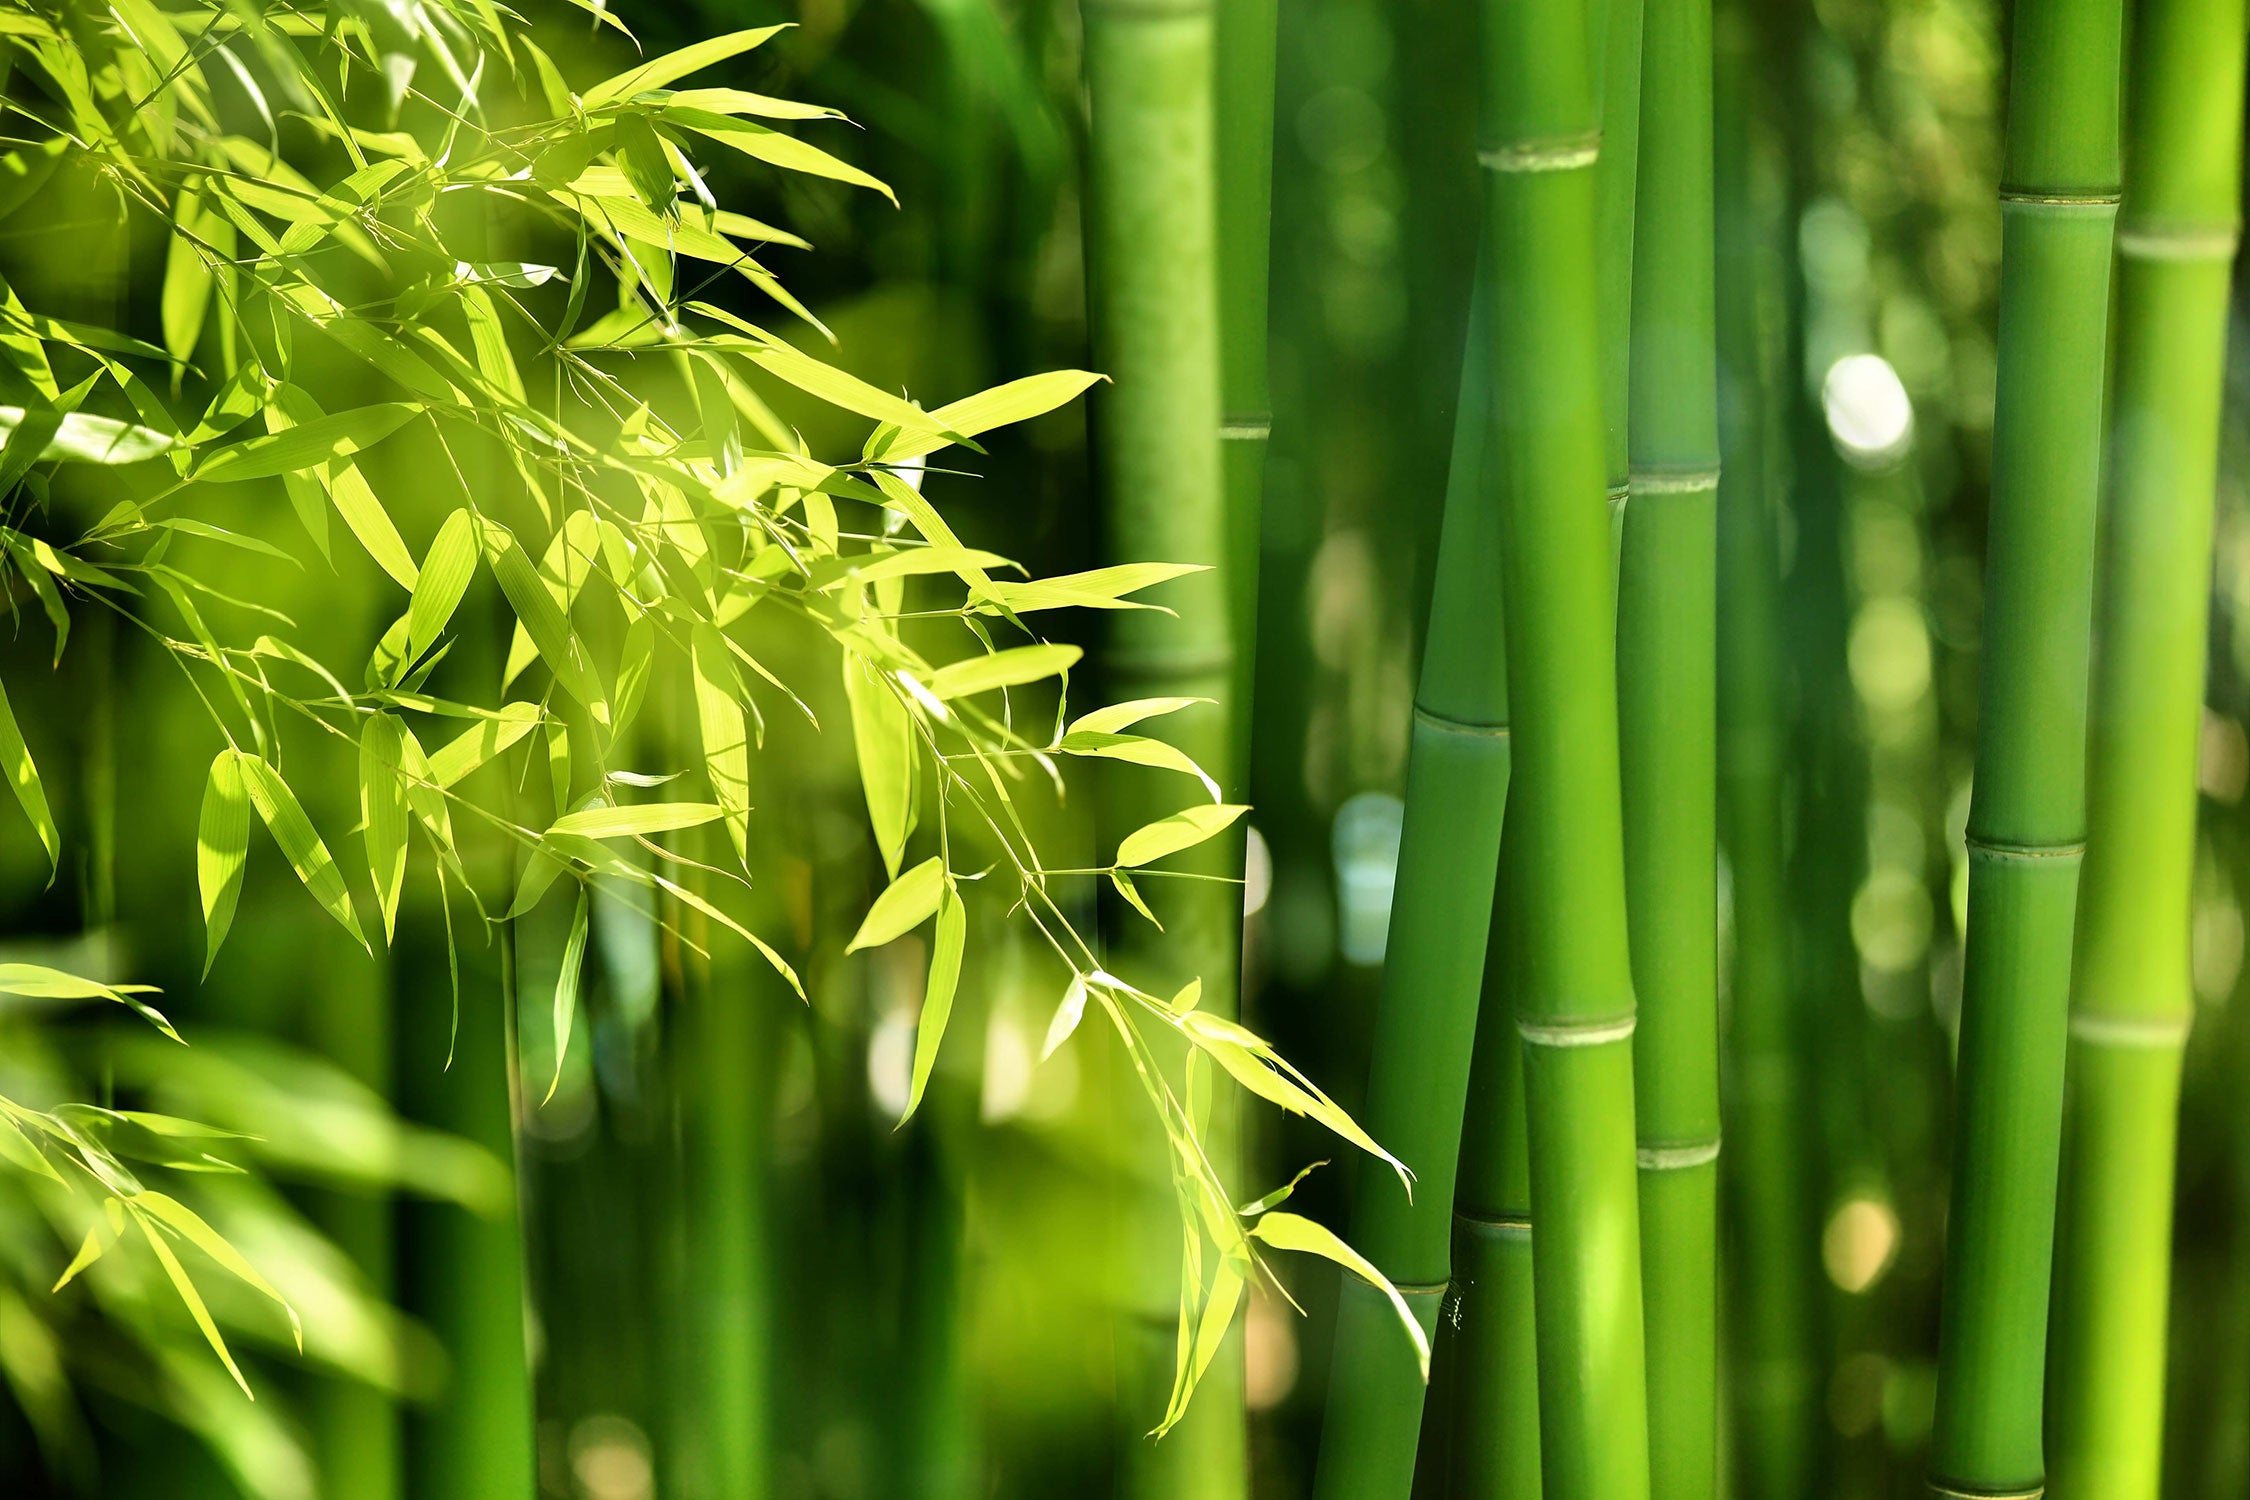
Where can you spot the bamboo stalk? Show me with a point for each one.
(1618, 82)
(1667, 714)
(2027, 823)
(1765, 1183)
(1426, 1019)
(1493, 1452)
(1153, 259)
(1575, 1001)
(1245, 43)
(2131, 993)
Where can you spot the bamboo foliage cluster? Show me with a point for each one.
(324, 183)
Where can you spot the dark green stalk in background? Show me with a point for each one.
(1667, 712)
(1493, 1447)
(1575, 1004)
(2131, 993)
(2027, 822)
(1246, 39)
(1772, 1227)
(1153, 292)
(1426, 1021)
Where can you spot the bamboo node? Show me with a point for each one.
(1998, 849)
(1151, 9)
(2150, 1032)
(1948, 1492)
(2179, 242)
(1565, 155)
(2031, 198)
(1576, 1033)
(1246, 429)
(1506, 1226)
(1672, 481)
(1446, 725)
(1676, 1158)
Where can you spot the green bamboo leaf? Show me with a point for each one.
(542, 618)
(443, 578)
(566, 989)
(726, 740)
(187, 278)
(1101, 588)
(883, 737)
(906, 904)
(473, 747)
(1139, 750)
(191, 1226)
(306, 445)
(38, 982)
(1121, 716)
(999, 669)
(300, 844)
(1066, 1018)
(833, 386)
(659, 71)
(24, 172)
(1211, 1329)
(193, 1301)
(937, 995)
(1182, 830)
(222, 846)
(23, 779)
(382, 807)
(736, 102)
(774, 148)
(1003, 405)
(647, 817)
(90, 1249)
(80, 437)
(1287, 1231)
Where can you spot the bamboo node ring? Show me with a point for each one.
(2021, 198)
(1446, 725)
(1675, 1158)
(2179, 242)
(1248, 429)
(1507, 1226)
(2131, 1031)
(1948, 1492)
(1672, 481)
(1998, 849)
(1564, 155)
(1576, 1033)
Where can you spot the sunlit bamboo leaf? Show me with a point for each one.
(1003, 405)
(937, 994)
(1288, 1231)
(566, 990)
(23, 780)
(1066, 1017)
(307, 445)
(659, 71)
(1182, 830)
(81, 437)
(443, 578)
(193, 1301)
(726, 740)
(883, 737)
(38, 982)
(647, 817)
(285, 819)
(222, 845)
(382, 807)
(774, 148)
(999, 669)
(906, 904)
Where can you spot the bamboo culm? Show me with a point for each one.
(2131, 992)
(2027, 828)
(1426, 1020)
(1575, 992)
(1153, 291)
(1667, 662)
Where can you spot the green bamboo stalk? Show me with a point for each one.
(2131, 993)
(1493, 1452)
(1575, 1003)
(1667, 711)
(1153, 288)
(1245, 40)
(1426, 1020)
(1618, 83)
(2027, 825)
(1766, 1183)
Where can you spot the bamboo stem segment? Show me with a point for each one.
(2131, 994)
(1426, 1021)
(1575, 1001)
(2027, 827)
(1667, 665)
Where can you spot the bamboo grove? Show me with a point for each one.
(1605, 642)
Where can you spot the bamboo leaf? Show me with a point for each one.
(38, 982)
(1102, 588)
(906, 904)
(23, 780)
(1066, 1018)
(937, 995)
(443, 578)
(542, 618)
(566, 990)
(222, 846)
(1139, 750)
(648, 817)
(775, 149)
(306, 445)
(473, 747)
(1017, 401)
(179, 1216)
(833, 386)
(1182, 830)
(187, 279)
(285, 819)
(1121, 716)
(382, 807)
(1287, 1231)
(193, 1301)
(883, 737)
(80, 437)
(726, 740)
(659, 71)
(999, 669)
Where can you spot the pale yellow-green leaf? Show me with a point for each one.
(193, 1301)
(192, 1227)
(285, 819)
(1066, 1018)
(1182, 830)
(999, 669)
(1287, 1231)
(306, 445)
(647, 817)
(1139, 750)
(382, 807)
(459, 756)
(38, 982)
(23, 779)
(905, 905)
(444, 577)
(1017, 401)
(659, 71)
(726, 737)
(883, 737)
(937, 995)
(1103, 588)
(1120, 716)
(566, 989)
(222, 844)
